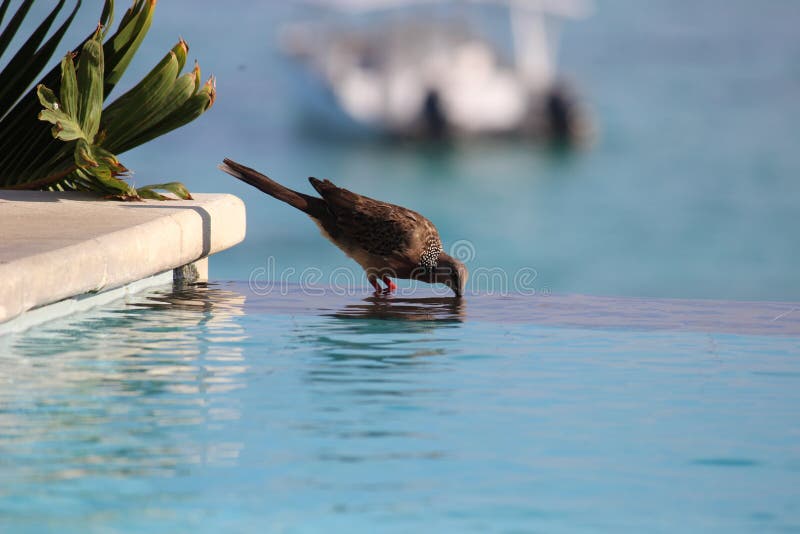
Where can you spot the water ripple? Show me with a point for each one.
(207, 398)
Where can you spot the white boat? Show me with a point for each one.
(440, 76)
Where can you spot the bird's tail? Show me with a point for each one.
(300, 201)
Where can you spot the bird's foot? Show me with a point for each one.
(376, 285)
(390, 286)
(389, 289)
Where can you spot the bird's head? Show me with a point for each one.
(452, 273)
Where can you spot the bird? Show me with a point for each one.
(386, 240)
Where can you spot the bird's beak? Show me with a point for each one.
(456, 286)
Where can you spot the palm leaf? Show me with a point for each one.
(3, 9)
(13, 25)
(31, 160)
(78, 151)
(25, 147)
(121, 47)
(23, 69)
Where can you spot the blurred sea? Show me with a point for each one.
(691, 190)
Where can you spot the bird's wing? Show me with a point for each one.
(378, 227)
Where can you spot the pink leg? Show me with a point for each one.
(390, 286)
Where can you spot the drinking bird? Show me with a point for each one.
(386, 240)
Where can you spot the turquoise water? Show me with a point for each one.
(237, 409)
(216, 409)
(691, 189)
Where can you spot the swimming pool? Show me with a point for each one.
(212, 408)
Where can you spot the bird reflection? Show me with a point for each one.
(372, 372)
(384, 331)
(436, 309)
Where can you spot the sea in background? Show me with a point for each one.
(691, 189)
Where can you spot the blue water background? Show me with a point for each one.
(228, 411)
(220, 410)
(692, 189)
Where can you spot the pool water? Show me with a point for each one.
(215, 409)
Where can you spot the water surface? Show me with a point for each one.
(215, 409)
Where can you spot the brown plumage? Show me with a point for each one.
(388, 241)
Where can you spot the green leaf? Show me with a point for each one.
(47, 97)
(158, 108)
(83, 155)
(122, 118)
(89, 74)
(195, 106)
(152, 195)
(198, 77)
(101, 178)
(121, 47)
(109, 159)
(69, 86)
(64, 128)
(177, 188)
(107, 17)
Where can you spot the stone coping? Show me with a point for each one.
(54, 246)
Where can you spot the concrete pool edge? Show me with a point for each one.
(58, 246)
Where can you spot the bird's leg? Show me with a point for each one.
(374, 281)
(390, 286)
